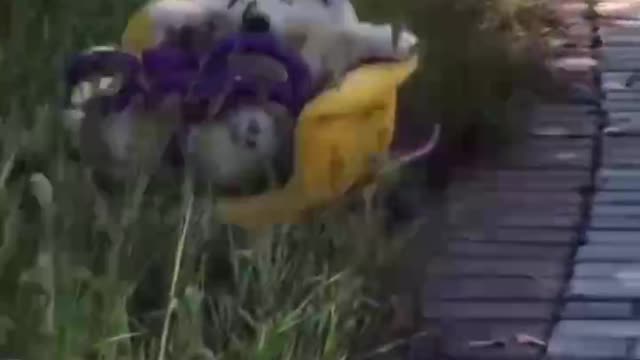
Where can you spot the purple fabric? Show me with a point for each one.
(215, 73)
(85, 65)
(170, 69)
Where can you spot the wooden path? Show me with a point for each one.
(544, 262)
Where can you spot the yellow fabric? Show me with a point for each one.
(338, 135)
(139, 33)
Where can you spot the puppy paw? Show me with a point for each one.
(406, 44)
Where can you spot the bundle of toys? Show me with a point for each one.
(298, 95)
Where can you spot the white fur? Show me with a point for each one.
(174, 14)
(168, 14)
(223, 157)
(116, 131)
(242, 119)
(283, 13)
(333, 40)
(332, 50)
(177, 13)
(334, 37)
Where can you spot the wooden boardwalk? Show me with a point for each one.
(544, 262)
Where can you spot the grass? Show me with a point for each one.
(472, 66)
(146, 272)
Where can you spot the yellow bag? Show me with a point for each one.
(338, 135)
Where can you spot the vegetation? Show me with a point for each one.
(473, 66)
(89, 274)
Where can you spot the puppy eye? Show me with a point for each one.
(253, 127)
(251, 144)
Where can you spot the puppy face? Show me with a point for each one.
(253, 128)
(240, 147)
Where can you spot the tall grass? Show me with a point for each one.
(144, 271)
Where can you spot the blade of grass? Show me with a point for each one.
(174, 279)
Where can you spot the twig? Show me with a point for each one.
(174, 279)
(527, 339)
(385, 349)
(424, 150)
(7, 167)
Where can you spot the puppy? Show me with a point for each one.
(240, 148)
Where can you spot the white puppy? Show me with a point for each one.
(237, 148)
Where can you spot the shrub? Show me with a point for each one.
(475, 56)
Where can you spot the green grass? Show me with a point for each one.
(86, 274)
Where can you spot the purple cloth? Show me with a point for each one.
(171, 69)
(216, 74)
(168, 70)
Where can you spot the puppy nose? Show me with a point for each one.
(255, 21)
(258, 23)
(253, 128)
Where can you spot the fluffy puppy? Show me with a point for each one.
(241, 147)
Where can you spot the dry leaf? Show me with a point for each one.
(530, 340)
